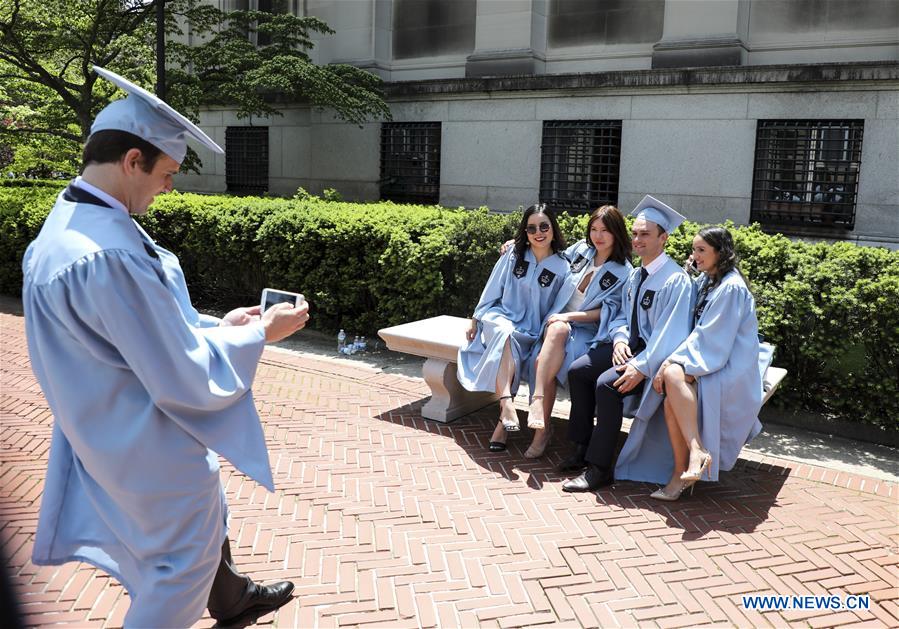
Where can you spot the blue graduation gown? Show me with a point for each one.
(516, 301)
(144, 391)
(664, 317)
(722, 353)
(603, 292)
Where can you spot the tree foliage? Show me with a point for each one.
(248, 60)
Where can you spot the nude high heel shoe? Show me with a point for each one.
(660, 494)
(705, 464)
(535, 452)
(533, 422)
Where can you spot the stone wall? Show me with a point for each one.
(687, 137)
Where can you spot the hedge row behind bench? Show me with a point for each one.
(831, 309)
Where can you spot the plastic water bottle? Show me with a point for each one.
(357, 345)
(341, 341)
(363, 345)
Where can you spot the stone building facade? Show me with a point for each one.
(784, 112)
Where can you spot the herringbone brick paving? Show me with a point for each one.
(382, 518)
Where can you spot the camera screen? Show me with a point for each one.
(272, 298)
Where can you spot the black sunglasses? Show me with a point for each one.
(532, 229)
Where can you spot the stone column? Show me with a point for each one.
(510, 38)
(703, 33)
(362, 33)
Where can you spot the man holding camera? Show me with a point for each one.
(145, 391)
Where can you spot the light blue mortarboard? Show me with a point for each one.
(653, 210)
(149, 118)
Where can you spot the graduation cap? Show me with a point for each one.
(653, 210)
(149, 118)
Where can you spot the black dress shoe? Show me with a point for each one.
(575, 461)
(592, 479)
(497, 446)
(263, 600)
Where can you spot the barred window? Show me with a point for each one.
(275, 7)
(579, 164)
(410, 161)
(246, 159)
(806, 172)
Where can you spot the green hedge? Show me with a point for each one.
(831, 309)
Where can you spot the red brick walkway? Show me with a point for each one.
(383, 518)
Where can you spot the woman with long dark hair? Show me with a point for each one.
(514, 305)
(712, 383)
(587, 304)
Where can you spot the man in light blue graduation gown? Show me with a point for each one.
(658, 303)
(144, 390)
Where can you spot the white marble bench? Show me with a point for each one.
(773, 378)
(439, 338)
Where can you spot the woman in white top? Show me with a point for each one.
(588, 302)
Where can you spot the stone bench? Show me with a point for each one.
(439, 338)
(773, 378)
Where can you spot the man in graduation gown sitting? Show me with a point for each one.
(145, 391)
(656, 318)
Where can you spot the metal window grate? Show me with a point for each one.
(246, 159)
(410, 161)
(579, 164)
(806, 172)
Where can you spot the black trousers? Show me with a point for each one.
(229, 588)
(593, 396)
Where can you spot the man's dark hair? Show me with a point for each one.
(109, 147)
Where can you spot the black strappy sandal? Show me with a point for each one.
(512, 425)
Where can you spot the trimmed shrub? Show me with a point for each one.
(832, 310)
(22, 212)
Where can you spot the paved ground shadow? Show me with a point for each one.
(738, 503)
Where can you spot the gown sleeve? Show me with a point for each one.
(493, 290)
(619, 326)
(208, 321)
(709, 345)
(187, 371)
(570, 252)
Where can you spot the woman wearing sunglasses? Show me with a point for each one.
(589, 301)
(514, 305)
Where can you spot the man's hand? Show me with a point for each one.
(241, 316)
(281, 320)
(472, 331)
(629, 379)
(621, 353)
(505, 246)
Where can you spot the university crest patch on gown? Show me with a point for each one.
(648, 297)
(521, 268)
(608, 280)
(579, 263)
(546, 278)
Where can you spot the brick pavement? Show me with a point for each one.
(384, 519)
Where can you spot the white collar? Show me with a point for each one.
(100, 194)
(656, 264)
